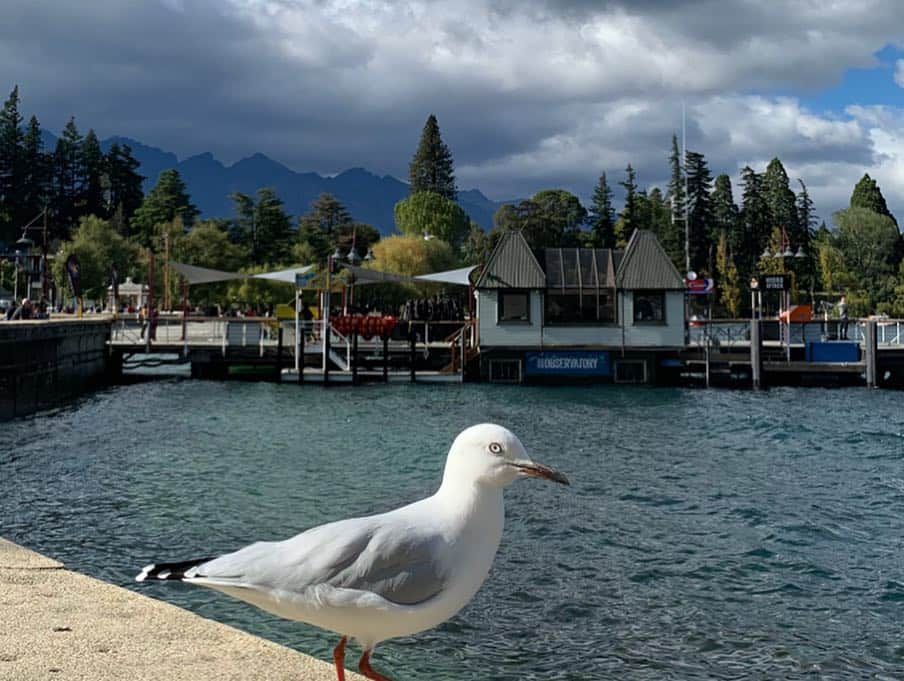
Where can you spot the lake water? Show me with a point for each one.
(706, 535)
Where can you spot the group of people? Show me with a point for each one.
(434, 309)
(28, 309)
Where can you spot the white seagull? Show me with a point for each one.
(386, 575)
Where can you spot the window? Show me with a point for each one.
(570, 307)
(514, 306)
(649, 306)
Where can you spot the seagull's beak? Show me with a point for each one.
(537, 470)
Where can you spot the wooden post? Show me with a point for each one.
(299, 348)
(386, 358)
(355, 357)
(871, 352)
(756, 357)
(412, 342)
(279, 353)
(326, 346)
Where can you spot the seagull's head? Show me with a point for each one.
(493, 455)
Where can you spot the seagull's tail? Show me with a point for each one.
(170, 571)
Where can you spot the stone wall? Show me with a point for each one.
(44, 362)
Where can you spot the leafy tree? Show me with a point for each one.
(98, 247)
(552, 217)
(11, 168)
(169, 198)
(602, 215)
(700, 217)
(867, 241)
(867, 194)
(262, 226)
(432, 168)
(411, 255)
(207, 244)
(833, 272)
(358, 234)
(630, 217)
(427, 213)
(476, 248)
(124, 190)
(91, 199)
(729, 280)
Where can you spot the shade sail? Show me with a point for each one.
(284, 275)
(204, 275)
(459, 276)
(364, 275)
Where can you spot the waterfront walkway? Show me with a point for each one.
(58, 624)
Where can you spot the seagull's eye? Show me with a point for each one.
(495, 448)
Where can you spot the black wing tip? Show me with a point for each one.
(170, 572)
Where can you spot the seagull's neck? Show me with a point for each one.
(470, 500)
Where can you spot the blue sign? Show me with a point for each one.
(567, 363)
(302, 279)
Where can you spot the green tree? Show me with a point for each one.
(38, 166)
(67, 178)
(630, 214)
(782, 203)
(672, 238)
(729, 280)
(98, 247)
(867, 241)
(93, 165)
(432, 168)
(756, 228)
(263, 226)
(411, 255)
(867, 194)
(551, 217)
(125, 191)
(207, 244)
(476, 248)
(700, 215)
(12, 169)
(358, 234)
(427, 213)
(602, 214)
(169, 198)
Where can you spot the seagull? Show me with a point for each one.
(382, 576)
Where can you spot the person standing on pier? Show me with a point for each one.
(842, 319)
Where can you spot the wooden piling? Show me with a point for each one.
(871, 352)
(756, 354)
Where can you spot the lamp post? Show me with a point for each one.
(783, 252)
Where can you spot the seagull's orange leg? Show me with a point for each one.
(339, 658)
(368, 671)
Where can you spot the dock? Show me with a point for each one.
(59, 624)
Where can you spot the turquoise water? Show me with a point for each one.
(707, 534)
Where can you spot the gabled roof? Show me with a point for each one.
(512, 264)
(645, 265)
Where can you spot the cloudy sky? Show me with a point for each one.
(530, 94)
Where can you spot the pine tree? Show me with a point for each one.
(673, 237)
(274, 228)
(167, 200)
(781, 202)
(755, 222)
(37, 166)
(700, 213)
(92, 181)
(125, 192)
(67, 176)
(11, 168)
(630, 216)
(725, 213)
(728, 277)
(602, 215)
(867, 194)
(432, 168)
(660, 217)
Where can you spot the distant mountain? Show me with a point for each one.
(369, 198)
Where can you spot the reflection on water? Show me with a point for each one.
(706, 534)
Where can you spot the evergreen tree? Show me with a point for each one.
(673, 238)
(550, 218)
(274, 228)
(700, 214)
(67, 177)
(168, 199)
(725, 210)
(660, 217)
(867, 194)
(630, 216)
(37, 167)
(93, 179)
(11, 168)
(429, 214)
(125, 193)
(602, 215)
(755, 223)
(781, 202)
(728, 277)
(432, 167)
(320, 228)
(806, 220)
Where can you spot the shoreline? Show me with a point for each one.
(69, 626)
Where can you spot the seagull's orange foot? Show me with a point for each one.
(368, 671)
(339, 658)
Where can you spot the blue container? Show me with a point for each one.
(833, 351)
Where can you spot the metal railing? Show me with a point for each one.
(727, 333)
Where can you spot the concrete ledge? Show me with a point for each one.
(58, 624)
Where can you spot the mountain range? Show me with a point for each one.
(368, 197)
